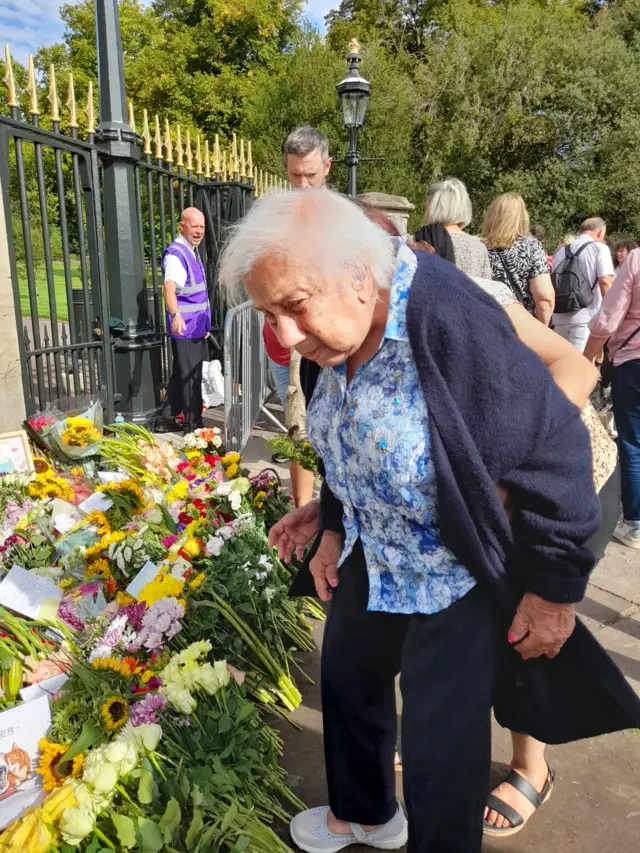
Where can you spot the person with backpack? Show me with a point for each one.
(582, 274)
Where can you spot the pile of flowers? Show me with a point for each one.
(176, 637)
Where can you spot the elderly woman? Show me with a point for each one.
(425, 401)
(447, 212)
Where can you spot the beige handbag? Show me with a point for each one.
(603, 448)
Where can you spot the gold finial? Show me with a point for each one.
(259, 183)
(71, 104)
(354, 46)
(132, 117)
(157, 139)
(168, 144)
(187, 149)
(216, 155)
(179, 151)
(198, 157)
(249, 161)
(32, 89)
(234, 155)
(207, 160)
(9, 80)
(54, 111)
(89, 112)
(243, 162)
(146, 133)
(223, 166)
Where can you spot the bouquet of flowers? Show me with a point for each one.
(77, 436)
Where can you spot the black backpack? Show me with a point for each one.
(573, 289)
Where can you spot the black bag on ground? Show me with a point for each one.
(573, 289)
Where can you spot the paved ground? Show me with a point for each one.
(596, 803)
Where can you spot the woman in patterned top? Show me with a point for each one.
(449, 206)
(517, 259)
(424, 400)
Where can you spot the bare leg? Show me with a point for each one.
(302, 482)
(528, 759)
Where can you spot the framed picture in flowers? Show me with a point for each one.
(15, 453)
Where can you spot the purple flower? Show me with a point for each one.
(146, 711)
(159, 623)
(134, 613)
(67, 612)
(168, 541)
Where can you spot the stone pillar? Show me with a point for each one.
(396, 207)
(12, 404)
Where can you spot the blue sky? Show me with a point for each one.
(28, 24)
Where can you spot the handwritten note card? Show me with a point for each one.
(96, 501)
(30, 594)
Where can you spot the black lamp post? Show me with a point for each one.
(354, 93)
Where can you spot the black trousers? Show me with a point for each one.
(448, 664)
(184, 392)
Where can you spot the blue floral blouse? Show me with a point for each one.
(373, 437)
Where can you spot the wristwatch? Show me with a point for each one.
(174, 315)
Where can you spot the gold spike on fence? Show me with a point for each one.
(198, 157)
(243, 163)
(235, 166)
(168, 144)
(207, 161)
(54, 103)
(179, 151)
(146, 133)
(257, 184)
(223, 166)
(216, 155)
(9, 79)
(132, 117)
(32, 89)
(90, 112)
(71, 104)
(249, 161)
(157, 139)
(187, 151)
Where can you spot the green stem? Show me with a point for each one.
(100, 834)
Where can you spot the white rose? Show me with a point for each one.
(151, 734)
(103, 777)
(76, 824)
(123, 754)
(235, 500)
(214, 546)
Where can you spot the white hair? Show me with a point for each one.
(320, 228)
(448, 202)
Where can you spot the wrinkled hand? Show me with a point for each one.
(541, 627)
(178, 325)
(324, 566)
(295, 530)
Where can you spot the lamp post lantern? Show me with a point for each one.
(354, 93)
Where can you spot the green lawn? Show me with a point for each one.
(43, 292)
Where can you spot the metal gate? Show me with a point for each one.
(51, 187)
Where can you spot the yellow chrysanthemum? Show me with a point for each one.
(53, 773)
(232, 470)
(231, 458)
(197, 581)
(178, 492)
(163, 586)
(192, 454)
(114, 713)
(123, 598)
(259, 499)
(65, 584)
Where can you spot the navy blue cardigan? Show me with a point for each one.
(496, 416)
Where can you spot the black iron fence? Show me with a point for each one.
(60, 222)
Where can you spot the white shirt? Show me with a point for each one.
(174, 268)
(595, 262)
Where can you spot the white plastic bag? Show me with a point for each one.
(212, 384)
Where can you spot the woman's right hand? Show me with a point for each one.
(324, 565)
(295, 530)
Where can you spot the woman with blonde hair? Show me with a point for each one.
(517, 259)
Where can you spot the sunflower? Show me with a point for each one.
(114, 712)
(40, 465)
(98, 567)
(54, 774)
(100, 521)
(122, 666)
(197, 581)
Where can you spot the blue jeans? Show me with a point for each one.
(280, 376)
(576, 333)
(625, 394)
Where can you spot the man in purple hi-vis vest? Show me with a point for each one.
(188, 322)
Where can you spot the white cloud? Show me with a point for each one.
(26, 25)
(317, 9)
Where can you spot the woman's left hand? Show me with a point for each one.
(541, 627)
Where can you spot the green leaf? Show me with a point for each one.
(168, 520)
(225, 724)
(151, 840)
(229, 818)
(170, 820)
(241, 844)
(89, 736)
(145, 787)
(196, 827)
(126, 830)
(94, 847)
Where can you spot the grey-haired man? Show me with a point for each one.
(306, 152)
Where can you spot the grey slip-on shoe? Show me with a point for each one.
(310, 833)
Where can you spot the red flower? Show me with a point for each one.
(212, 460)
(182, 466)
(111, 585)
(185, 518)
(190, 475)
